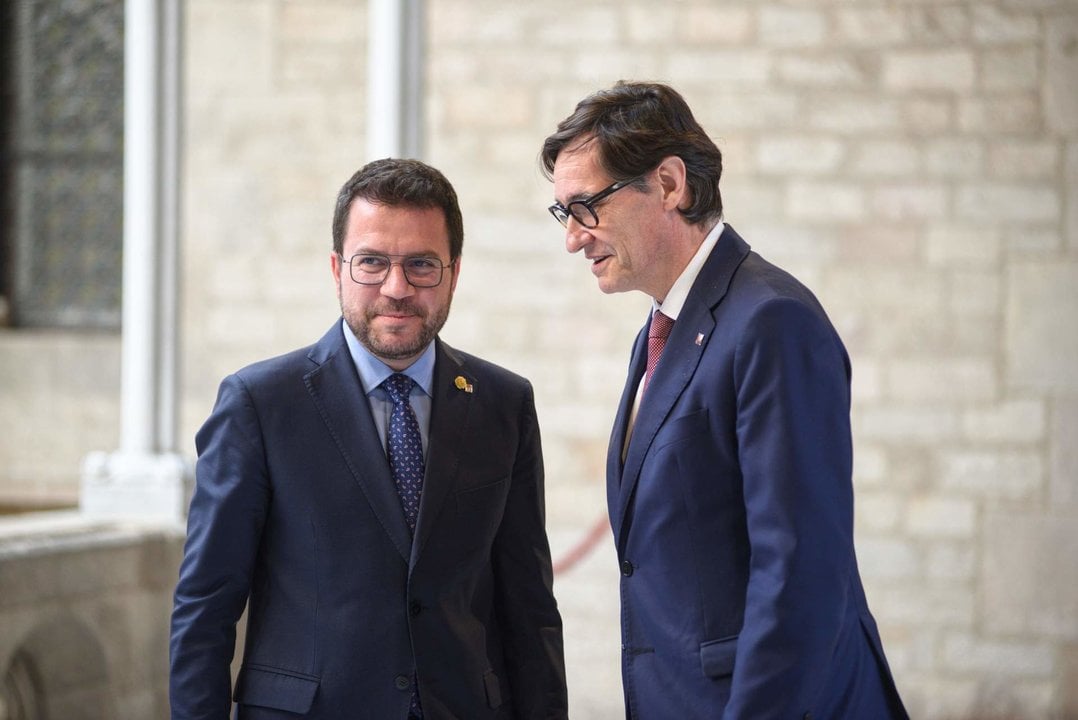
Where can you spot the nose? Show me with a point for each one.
(577, 237)
(396, 285)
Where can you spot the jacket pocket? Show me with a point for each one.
(277, 689)
(717, 657)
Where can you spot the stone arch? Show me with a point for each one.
(20, 693)
(58, 672)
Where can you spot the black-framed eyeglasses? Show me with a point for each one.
(583, 211)
(373, 269)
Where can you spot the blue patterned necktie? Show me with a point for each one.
(404, 446)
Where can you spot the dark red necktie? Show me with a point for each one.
(657, 334)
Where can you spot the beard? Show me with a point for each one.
(389, 345)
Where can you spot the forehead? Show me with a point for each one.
(577, 172)
(395, 229)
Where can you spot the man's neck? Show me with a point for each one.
(678, 290)
(683, 246)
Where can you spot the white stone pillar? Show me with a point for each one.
(395, 79)
(146, 477)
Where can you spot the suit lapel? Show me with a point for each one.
(615, 451)
(672, 375)
(338, 394)
(448, 425)
(686, 345)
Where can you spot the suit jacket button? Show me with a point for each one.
(626, 568)
(808, 716)
(403, 682)
(414, 608)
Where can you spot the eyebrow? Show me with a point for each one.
(421, 253)
(580, 197)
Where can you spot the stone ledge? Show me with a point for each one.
(84, 609)
(56, 531)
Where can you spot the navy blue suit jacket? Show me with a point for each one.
(732, 512)
(295, 514)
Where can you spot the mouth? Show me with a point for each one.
(598, 263)
(397, 320)
(396, 315)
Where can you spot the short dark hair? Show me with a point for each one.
(398, 182)
(635, 125)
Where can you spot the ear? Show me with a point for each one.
(674, 183)
(456, 275)
(335, 267)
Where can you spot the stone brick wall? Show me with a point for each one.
(915, 162)
(59, 399)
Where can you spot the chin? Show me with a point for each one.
(609, 287)
(397, 348)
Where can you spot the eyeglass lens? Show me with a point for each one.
(374, 269)
(583, 211)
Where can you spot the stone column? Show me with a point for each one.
(395, 79)
(146, 477)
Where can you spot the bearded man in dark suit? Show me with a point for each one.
(376, 500)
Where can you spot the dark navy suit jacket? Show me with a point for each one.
(732, 512)
(295, 513)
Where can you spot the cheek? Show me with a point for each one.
(435, 301)
(641, 249)
(352, 295)
(628, 254)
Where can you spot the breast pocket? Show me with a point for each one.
(682, 429)
(483, 499)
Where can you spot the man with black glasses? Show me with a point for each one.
(376, 500)
(729, 469)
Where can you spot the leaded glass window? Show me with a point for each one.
(61, 162)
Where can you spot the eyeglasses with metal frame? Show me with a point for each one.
(420, 271)
(583, 211)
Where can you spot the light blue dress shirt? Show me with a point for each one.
(373, 371)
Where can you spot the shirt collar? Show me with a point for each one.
(372, 371)
(679, 292)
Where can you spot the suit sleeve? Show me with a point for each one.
(225, 522)
(527, 611)
(793, 433)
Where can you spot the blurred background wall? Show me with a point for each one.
(915, 162)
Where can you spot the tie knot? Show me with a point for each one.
(399, 387)
(660, 325)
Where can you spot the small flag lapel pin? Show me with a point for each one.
(699, 338)
(463, 384)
